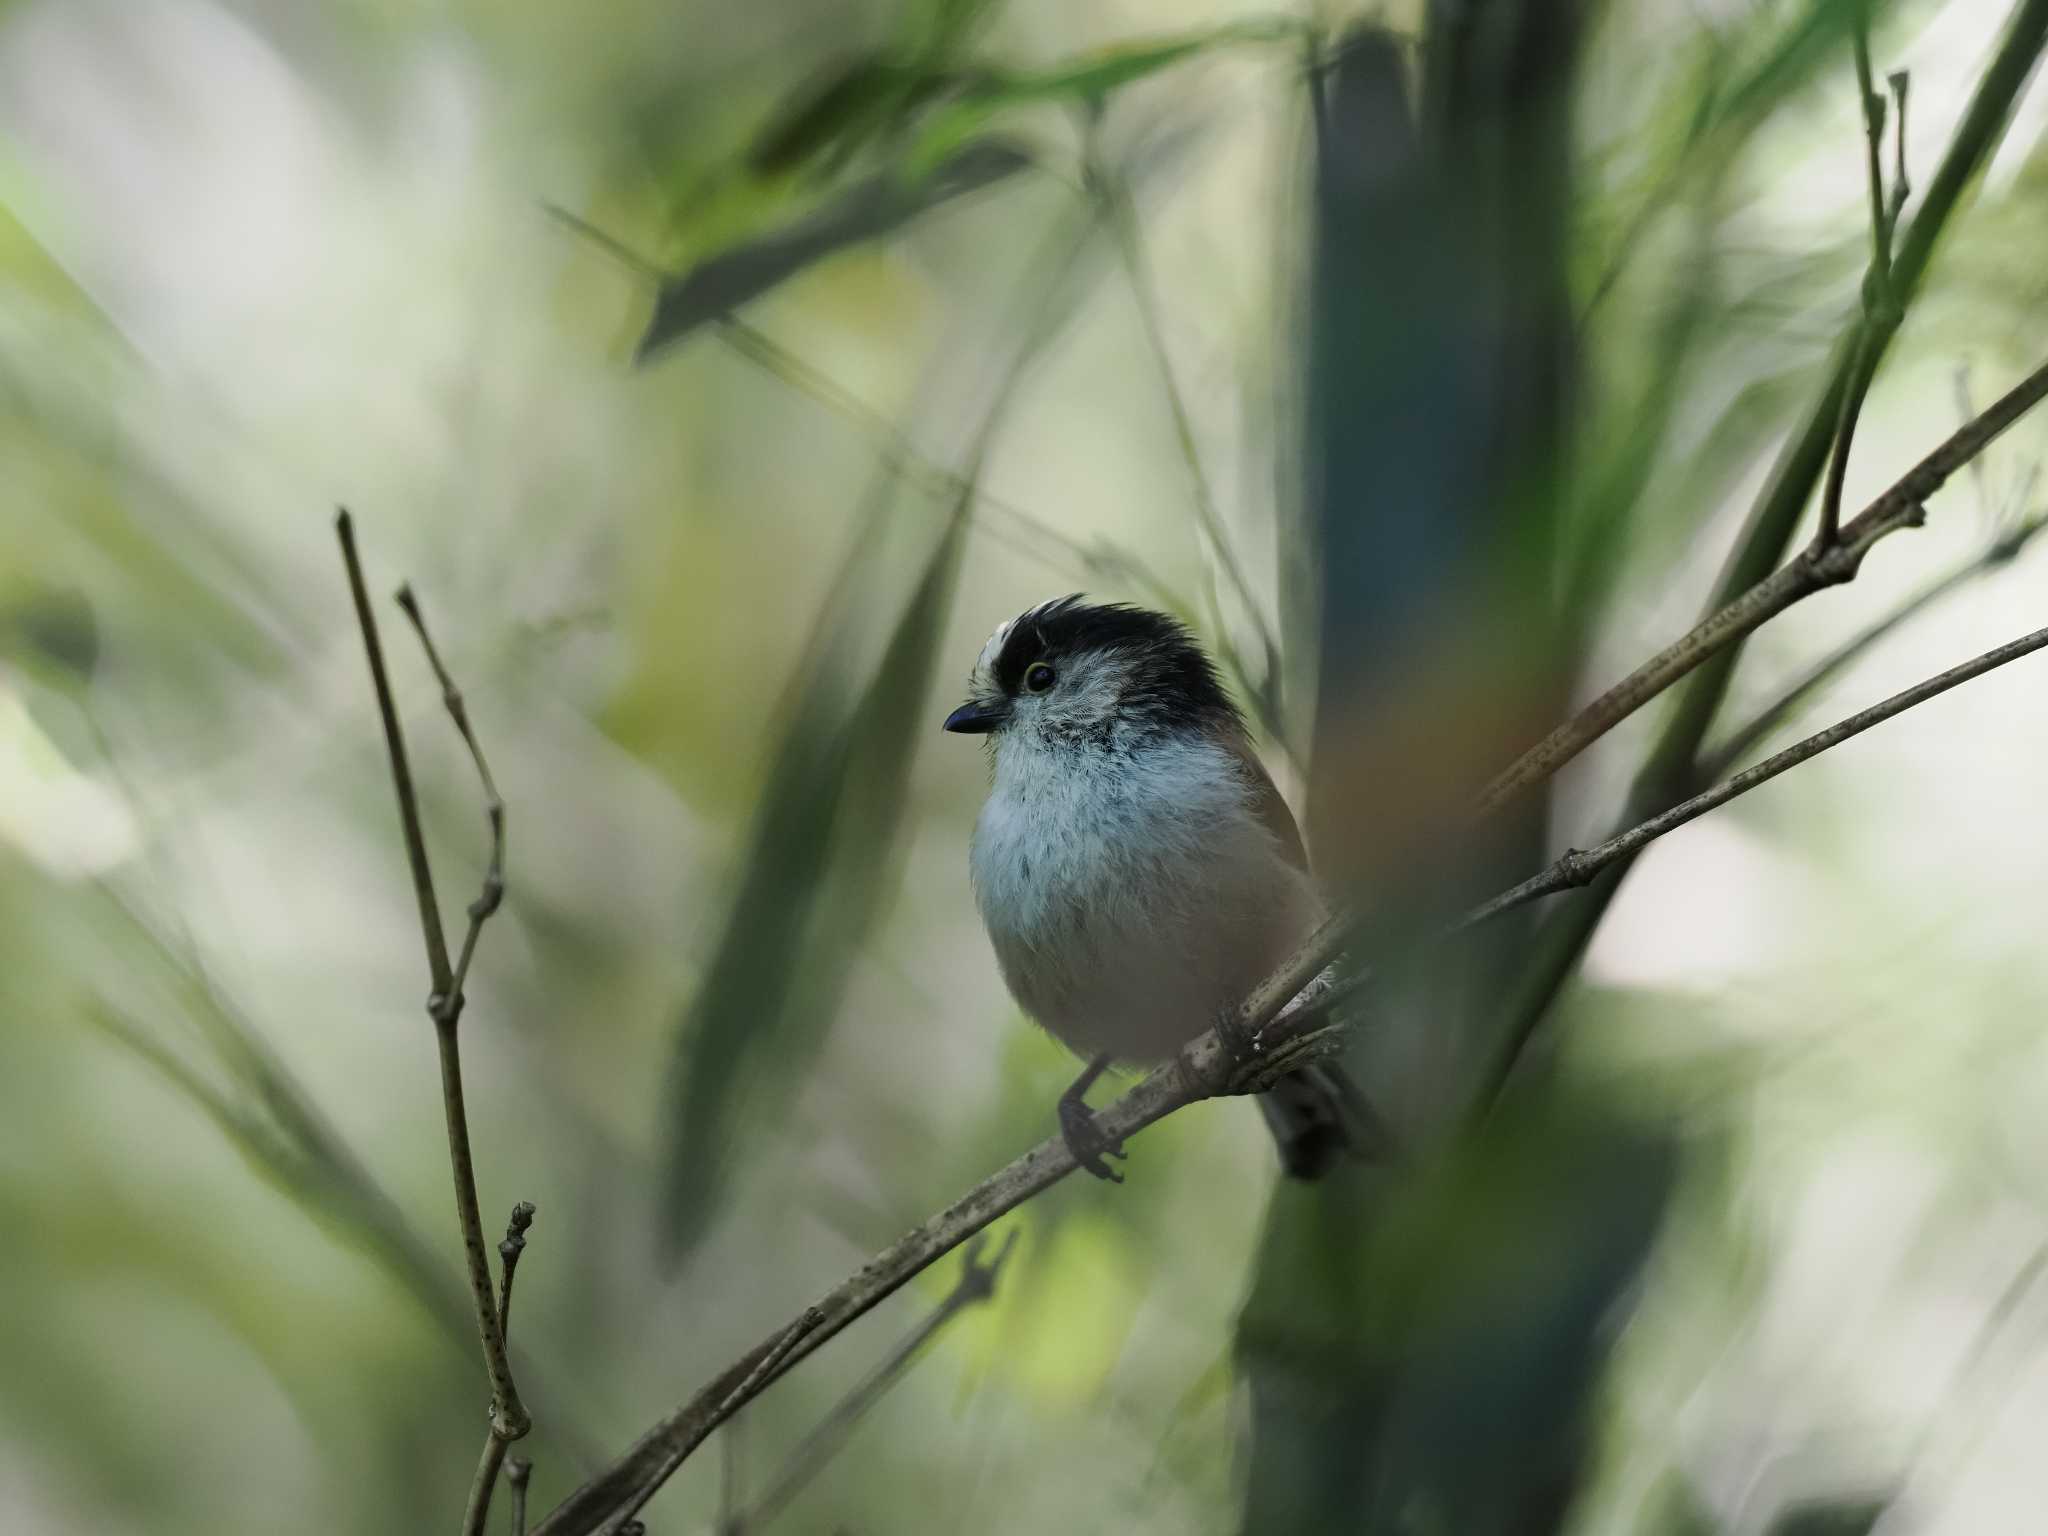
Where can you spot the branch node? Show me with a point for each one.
(515, 1231)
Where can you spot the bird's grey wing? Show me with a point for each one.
(1268, 805)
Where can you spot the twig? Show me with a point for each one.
(1578, 866)
(517, 1472)
(509, 1251)
(478, 1509)
(509, 1418)
(1881, 311)
(977, 1283)
(1814, 568)
(493, 891)
(1745, 738)
(1205, 1068)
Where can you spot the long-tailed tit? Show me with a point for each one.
(1135, 866)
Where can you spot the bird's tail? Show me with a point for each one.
(1317, 1118)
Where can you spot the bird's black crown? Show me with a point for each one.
(1172, 676)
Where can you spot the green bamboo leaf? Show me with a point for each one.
(820, 865)
(1097, 73)
(823, 856)
(870, 209)
(832, 117)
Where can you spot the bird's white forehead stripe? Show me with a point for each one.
(985, 666)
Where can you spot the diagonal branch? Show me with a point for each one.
(1995, 556)
(1295, 1028)
(1902, 506)
(1577, 866)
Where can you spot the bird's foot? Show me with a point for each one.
(1082, 1132)
(1241, 1045)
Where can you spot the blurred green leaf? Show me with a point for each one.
(856, 102)
(54, 632)
(867, 210)
(1831, 1517)
(821, 861)
(940, 111)
(1091, 75)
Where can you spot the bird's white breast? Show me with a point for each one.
(1128, 890)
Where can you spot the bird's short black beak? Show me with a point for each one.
(977, 717)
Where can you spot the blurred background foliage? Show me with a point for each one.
(720, 376)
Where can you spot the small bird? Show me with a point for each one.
(1136, 869)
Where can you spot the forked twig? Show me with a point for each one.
(509, 1417)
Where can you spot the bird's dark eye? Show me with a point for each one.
(1038, 677)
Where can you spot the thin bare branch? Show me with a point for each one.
(509, 1418)
(1901, 506)
(509, 1250)
(1578, 866)
(493, 891)
(478, 1510)
(518, 1472)
(1746, 737)
(401, 769)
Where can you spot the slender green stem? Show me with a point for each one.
(1122, 214)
